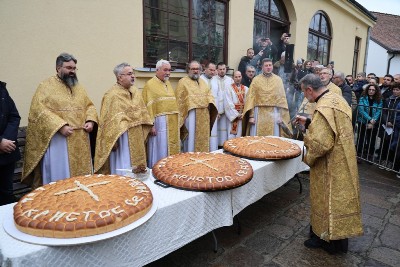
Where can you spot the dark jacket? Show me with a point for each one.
(387, 93)
(346, 92)
(246, 81)
(9, 123)
(389, 105)
(244, 61)
(303, 72)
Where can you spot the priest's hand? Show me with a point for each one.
(88, 126)
(66, 130)
(252, 121)
(7, 146)
(300, 120)
(153, 131)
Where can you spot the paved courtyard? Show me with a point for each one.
(274, 228)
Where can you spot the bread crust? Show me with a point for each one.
(66, 209)
(202, 171)
(262, 147)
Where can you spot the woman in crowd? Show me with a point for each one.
(369, 111)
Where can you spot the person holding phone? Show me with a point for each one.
(283, 42)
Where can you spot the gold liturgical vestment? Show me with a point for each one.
(307, 108)
(266, 93)
(53, 106)
(195, 94)
(122, 111)
(334, 182)
(159, 98)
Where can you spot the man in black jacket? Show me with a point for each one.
(386, 90)
(9, 152)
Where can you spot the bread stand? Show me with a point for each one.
(181, 217)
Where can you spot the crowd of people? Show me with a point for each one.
(373, 103)
(65, 136)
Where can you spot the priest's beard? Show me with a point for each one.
(194, 76)
(69, 80)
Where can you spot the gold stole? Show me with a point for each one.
(238, 106)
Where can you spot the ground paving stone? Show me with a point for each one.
(385, 255)
(377, 201)
(373, 263)
(395, 219)
(372, 221)
(373, 210)
(275, 228)
(263, 243)
(390, 236)
(280, 231)
(229, 237)
(241, 257)
(296, 254)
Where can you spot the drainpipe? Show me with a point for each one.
(366, 49)
(390, 59)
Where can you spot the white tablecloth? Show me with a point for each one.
(182, 217)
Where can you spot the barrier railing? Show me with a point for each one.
(378, 143)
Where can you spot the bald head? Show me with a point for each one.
(237, 77)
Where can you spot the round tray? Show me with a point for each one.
(10, 229)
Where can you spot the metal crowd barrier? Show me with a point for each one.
(378, 145)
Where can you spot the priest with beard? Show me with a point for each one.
(197, 110)
(60, 119)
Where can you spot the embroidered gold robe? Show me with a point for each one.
(266, 93)
(122, 111)
(195, 94)
(54, 105)
(159, 98)
(334, 182)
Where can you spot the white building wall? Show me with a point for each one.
(378, 58)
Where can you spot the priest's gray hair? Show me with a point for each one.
(313, 81)
(190, 64)
(64, 57)
(119, 68)
(160, 63)
(340, 75)
(250, 67)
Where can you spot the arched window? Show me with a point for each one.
(319, 38)
(270, 20)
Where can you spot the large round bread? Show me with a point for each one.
(262, 147)
(82, 206)
(201, 171)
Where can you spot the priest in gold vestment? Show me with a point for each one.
(266, 105)
(60, 119)
(334, 182)
(123, 127)
(197, 110)
(160, 100)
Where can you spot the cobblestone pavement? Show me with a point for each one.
(274, 228)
